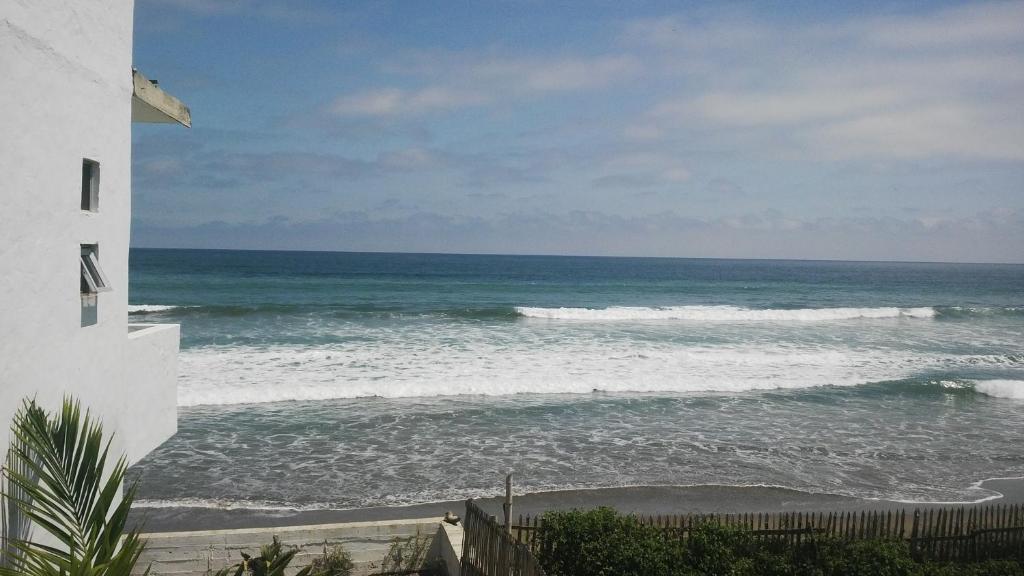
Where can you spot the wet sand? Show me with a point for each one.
(637, 500)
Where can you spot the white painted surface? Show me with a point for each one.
(65, 95)
(194, 553)
(151, 391)
(449, 546)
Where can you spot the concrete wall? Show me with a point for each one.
(448, 544)
(65, 95)
(194, 553)
(151, 374)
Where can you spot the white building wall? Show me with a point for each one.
(65, 95)
(150, 398)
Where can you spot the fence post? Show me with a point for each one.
(507, 506)
(914, 534)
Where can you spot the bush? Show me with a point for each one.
(334, 562)
(602, 542)
(410, 554)
(877, 558)
(274, 559)
(989, 568)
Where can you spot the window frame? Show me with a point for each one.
(90, 187)
(95, 279)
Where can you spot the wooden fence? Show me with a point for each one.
(488, 549)
(961, 533)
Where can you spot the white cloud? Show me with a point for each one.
(555, 74)
(648, 167)
(936, 130)
(781, 108)
(409, 159)
(716, 30)
(476, 82)
(968, 25)
(393, 101)
(642, 169)
(940, 84)
(767, 234)
(372, 103)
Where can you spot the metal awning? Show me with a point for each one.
(150, 104)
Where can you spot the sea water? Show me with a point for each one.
(339, 380)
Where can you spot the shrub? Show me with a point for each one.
(603, 542)
(274, 560)
(405, 554)
(410, 555)
(878, 558)
(335, 561)
(989, 568)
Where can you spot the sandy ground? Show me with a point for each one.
(639, 500)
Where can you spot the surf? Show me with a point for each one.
(722, 313)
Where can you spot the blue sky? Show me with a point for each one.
(804, 130)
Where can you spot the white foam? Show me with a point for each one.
(149, 308)
(211, 503)
(978, 486)
(485, 366)
(722, 313)
(456, 493)
(1013, 389)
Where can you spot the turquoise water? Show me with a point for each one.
(338, 380)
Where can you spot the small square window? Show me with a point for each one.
(90, 185)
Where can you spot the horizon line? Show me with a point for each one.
(536, 255)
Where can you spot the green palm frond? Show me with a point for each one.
(14, 524)
(58, 479)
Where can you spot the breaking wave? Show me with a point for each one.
(1013, 389)
(692, 313)
(723, 313)
(150, 308)
(484, 366)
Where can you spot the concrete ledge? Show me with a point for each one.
(144, 330)
(150, 104)
(281, 531)
(448, 543)
(368, 543)
(151, 381)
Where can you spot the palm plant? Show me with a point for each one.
(272, 561)
(14, 524)
(56, 479)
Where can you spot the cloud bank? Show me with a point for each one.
(893, 133)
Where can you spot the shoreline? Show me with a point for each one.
(645, 500)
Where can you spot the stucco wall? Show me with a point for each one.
(151, 369)
(448, 544)
(65, 95)
(193, 553)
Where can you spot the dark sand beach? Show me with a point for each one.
(637, 500)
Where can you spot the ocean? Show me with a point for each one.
(324, 380)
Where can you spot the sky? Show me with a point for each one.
(810, 130)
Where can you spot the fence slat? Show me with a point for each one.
(489, 549)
